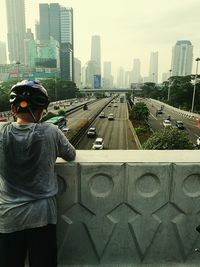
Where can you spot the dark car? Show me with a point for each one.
(91, 132)
(56, 107)
(85, 107)
(159, 111)
(179, 125)
(102, 115)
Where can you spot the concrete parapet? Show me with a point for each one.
(129, 208)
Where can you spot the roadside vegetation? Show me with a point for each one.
(168, 139)
(138, 115)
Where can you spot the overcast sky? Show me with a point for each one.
(128, 28)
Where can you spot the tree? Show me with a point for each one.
(169, 139)
(4, 95)
(139, 112)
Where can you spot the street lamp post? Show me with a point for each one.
(195, 81)
(153, 75)
(17, 63)
(169, 87)
(56, 93)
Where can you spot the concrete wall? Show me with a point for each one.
(129, 207)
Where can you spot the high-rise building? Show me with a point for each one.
(96, 53)
(182, 56)
(120, 77)
(37, 30)
(16, 26)
(77, 72)
(29, 35)
(90, 73)
(57, 22)
(3, 57)
(127, 79)
(66, 44)
(49, 21)
(153, 67)
(107, 76)
(136, 75)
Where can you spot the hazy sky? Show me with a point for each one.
(128, 28)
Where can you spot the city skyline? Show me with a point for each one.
(127, 29)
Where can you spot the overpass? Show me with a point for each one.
(131, 208)
(109, 90)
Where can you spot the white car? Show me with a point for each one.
(198, 141)
(110, 117)
(167, 123)
(98, 144)
(91, 132)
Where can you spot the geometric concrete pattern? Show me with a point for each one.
(128, 213)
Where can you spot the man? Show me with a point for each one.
(28, 184)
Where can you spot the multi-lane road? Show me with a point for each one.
(155, 122)
(117, 133)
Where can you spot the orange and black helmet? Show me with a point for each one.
(29, 94)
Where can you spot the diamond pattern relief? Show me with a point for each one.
(187, 238)
(145, 226)
(166, 243)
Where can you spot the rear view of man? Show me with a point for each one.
(28, 184)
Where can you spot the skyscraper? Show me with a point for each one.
(77, 72)
(107, 77)
(120, 77)
(96, 53)
(49, 21)
(16, 30)
(153, 67)
(57, 22)
(182, 56)
(136, 75)
(3, 57)
(66, 44)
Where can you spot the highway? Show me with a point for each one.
(156, 121)
(116, 133)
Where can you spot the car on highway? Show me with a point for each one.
(98, 144)
(198, 142)
(56, 107)
(110, 117)
(179, 125)
(102, 115)
(167, 123)
(159, 111)
(91, 132)
(64, 129)
(115, 105)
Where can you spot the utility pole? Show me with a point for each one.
(18, 63)
(169, 87)
(195, 81)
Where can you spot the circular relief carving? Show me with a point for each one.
(148, 185)
(191, 185)
(101, 185)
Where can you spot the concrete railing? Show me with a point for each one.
(129, 208)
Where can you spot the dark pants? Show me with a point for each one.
(39, 243)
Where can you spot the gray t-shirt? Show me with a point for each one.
(28, 182)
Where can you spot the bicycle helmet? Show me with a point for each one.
(29, 94)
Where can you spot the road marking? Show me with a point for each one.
(153, 116)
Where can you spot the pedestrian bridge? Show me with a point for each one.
(129, 208)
